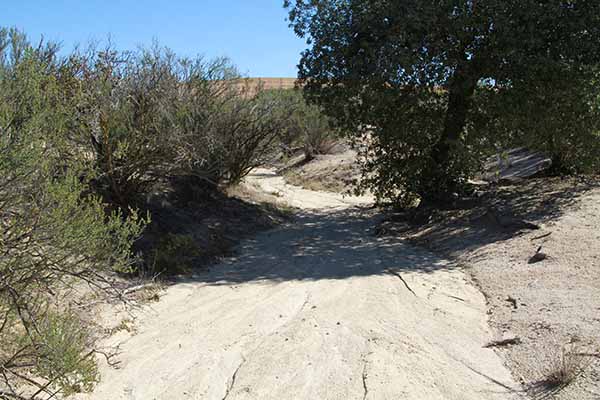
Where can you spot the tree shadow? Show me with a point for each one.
(499, 214)
(320, 246)
(360, 242)
(213, 221)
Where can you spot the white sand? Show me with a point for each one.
(319, 309)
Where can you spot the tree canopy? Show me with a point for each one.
(437, 84)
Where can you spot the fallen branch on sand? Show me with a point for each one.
(503, 342)
(138, 288)
(396, 274)
(541, 236)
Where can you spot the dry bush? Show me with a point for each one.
(228, 127)
(306, 126)
(562, 368)
(126, 112)
(149, 116)
(319, 135)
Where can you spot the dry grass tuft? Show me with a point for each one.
(562, 368)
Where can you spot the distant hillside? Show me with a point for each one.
(273, 83)
(250, 86)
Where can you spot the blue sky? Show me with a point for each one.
(253, 33)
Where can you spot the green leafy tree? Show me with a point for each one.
(408, 74)
(559, 116)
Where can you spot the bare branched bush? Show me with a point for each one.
(244, 131)
(226, 127)
(306, 127)
(148, 116)
(127, 119)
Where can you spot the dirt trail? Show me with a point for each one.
(319, 309)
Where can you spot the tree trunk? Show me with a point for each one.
(459, 102)
(444, 178)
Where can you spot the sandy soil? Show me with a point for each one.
(552, 306)
(558, 299)
(327, 172)
(318, 309)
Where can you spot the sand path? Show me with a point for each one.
(318, 309)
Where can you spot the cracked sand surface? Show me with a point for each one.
(317, 309)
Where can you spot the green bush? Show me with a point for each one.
(174, 253)
(64, 355)
(53, 233)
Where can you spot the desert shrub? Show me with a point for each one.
(126, 119)
(64, 352)
(149, 116)
(306, 126)
(245, 130)
(562, 367)
(290, 136)
(319, 135)
(227, 128)
(53, 233)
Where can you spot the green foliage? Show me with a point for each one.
(53, 233)
(425, 81)
(558, 115)
(62, 357)
(175, 253)
(63, 353)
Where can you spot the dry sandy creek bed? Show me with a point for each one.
(318, 309)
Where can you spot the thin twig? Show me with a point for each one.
(396, 274)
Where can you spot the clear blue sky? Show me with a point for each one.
(253, 33)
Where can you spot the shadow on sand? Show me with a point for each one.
(333, 245)
(500, 214)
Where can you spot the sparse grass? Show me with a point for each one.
(334, 173)
(310, 183)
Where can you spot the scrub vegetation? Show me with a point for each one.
(98, 148)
